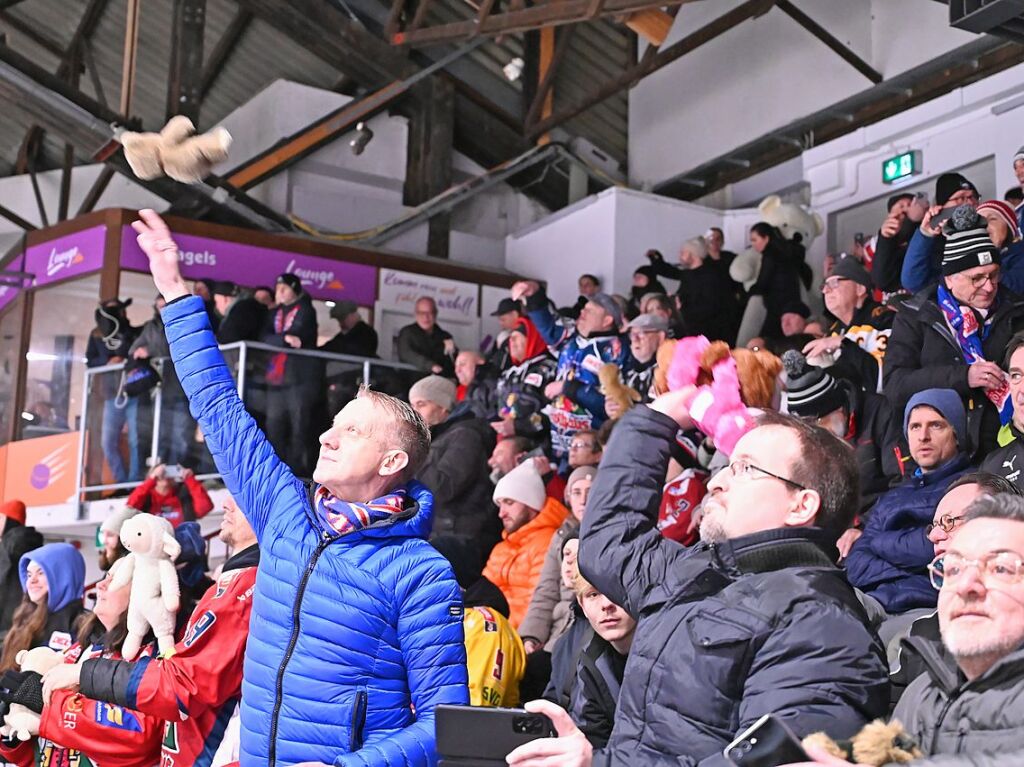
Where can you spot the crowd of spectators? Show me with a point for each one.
(856, 553)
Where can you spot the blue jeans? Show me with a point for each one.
(176, 427)
(114, 420)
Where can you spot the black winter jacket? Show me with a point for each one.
(761, 624)
(456, 472)
(424, 350)
(1008, 461)
(16, 541)
(924, 354)
(707, 296)
(889, 253)
(244, 321)
(594, 698)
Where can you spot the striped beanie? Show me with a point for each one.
(967, 242)
(1019, 155)
(810, 392)
(1005, 213)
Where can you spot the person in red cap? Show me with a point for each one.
(15, 539)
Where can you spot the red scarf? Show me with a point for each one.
(283, 320)
(534, 342)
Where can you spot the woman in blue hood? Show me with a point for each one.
(53, 580)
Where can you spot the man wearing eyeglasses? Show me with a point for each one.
(944, 528)
(858, 338)
(756, 620)
(888, 561)
(952, 334)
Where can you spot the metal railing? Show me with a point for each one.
(310, 386)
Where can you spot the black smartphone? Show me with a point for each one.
(942, 217)
(768, 742)
(474, 736)
(858, 239)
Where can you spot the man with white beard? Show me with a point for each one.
(967, 709)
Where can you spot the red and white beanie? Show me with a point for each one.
(1005, 212)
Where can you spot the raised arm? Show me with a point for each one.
(621, 551)
(251, 469)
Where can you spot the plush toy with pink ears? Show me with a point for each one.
(716, 408)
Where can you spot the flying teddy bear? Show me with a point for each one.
(175, 151)
(878, 743)
(149, 567)
(615, 391)
(22, 722)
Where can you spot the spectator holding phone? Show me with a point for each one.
(924, 252)
(173, 493)
(905, 212)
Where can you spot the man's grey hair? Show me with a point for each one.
(998, 506)
(407, 431)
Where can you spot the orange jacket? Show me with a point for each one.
(515, 563)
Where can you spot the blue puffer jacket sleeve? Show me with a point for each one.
(437, 673)
(1011, 266)
(918, 271)
(250, 467)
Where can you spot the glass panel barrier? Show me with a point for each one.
(293, 394)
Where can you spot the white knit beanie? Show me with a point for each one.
(522, 484)
(436, 389)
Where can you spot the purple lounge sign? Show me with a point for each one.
(252, 265)
(65, 257)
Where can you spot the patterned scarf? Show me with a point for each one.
(282, 324)
(346, 517)
(970, 335)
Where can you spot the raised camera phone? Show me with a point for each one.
(471, 736)
(768, 742)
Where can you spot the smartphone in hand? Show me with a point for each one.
(768, 742)
(473, 736)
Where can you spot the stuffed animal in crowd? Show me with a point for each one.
(149, 567)
(176, 151)
(879, 743)
(613, 389)
(745, 268)
(21, 722)
(758, 370)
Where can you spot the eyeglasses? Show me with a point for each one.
(582, 446)
(750, 471)
(832, 283)
(947, 522)
(1003, 567)
(980, 279)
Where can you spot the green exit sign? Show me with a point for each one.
(901, 166)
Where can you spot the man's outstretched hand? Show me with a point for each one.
(157, 243)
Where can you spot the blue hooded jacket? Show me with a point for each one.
(354, 639)
(64, 568)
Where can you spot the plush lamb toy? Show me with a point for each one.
(149, 567)
(176, 151)
(22, 722)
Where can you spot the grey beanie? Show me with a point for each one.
(436, 389)
(1019, 155)
(580, 472)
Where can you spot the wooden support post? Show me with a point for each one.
(429, 156)
(184, 82)
(130, 58)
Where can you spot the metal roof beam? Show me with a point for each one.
(652, 63)
(525, 19)
(833, 43)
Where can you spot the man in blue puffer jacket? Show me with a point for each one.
(890, 560)
(356, 630)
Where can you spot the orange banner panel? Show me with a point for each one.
(41, 471)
